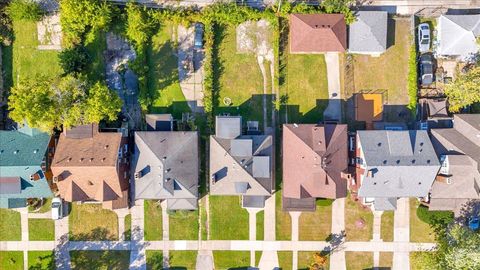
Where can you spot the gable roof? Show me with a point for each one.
(457, 35)
(369, 32)
(314, 157)
(317, 33)
(167, 165)
(20, 149)
(399, 163)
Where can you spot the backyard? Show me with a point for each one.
(358, 221)
(100, 260)
(231, 259)
(419, 230)
(163, 80)
(359, 260)
(153, 221)
(10, 229)
(316, 226)
(183, 225)
(386, 231)
(228, 220)
(92, 222)
(41, 230)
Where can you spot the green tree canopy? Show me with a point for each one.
(140, 25)
(465, 90)
(24, 10)
(81, 19)
(46, 103)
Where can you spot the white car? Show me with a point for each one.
(423, 37)
(57, 209)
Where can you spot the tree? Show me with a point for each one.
(465, 90)
(82, 19)
(6, 33)
(102, 103)
(74, 60)
(140, 25)
(340, 6)
(24, 10)
(319, 261)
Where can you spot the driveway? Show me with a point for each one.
(334, 108)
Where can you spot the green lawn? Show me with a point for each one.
(11, 260)
(283, 222)
(285, 260)
(419, 230)
(241, 79)
(153, 221)
(231, 259)
(96, 49)
(41, 229)
(260, 225)
(163, 81)
(353, 212)
(128, 227)
(386, 260)
(10, 228)
(305, 87)
(27, 60)
(390, 70)
(183, 225)
(92, 222)
(154, 259)
(44, 260)
(46, 206)
(181, 259)
(100, 260)
(359, 260)
(416, 262)
(228, 220)
(316, 226)
(386, 232)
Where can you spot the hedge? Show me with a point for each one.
(412, 79)
(433, 217)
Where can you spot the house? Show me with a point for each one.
(24, 160)
(457, 35)
(315, 159)
(459, 149)
(368, 34)
(92, 166)
(166, 167)
(241, 164)
(394, 164)
(317, 33)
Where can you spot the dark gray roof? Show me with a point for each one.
(228, 127)
(10, 185)
(241, 147)
(369, 32)
(261, 167)
(167, 163)
(253, 201)
(397, 163)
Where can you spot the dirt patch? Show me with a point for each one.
(50, 33)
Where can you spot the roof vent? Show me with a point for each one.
(295, 125)
(81, 159)
(103, 159)
(90, 183)
(419, 183)
(106, 146)
(413, 161)
(379, 144)
(398, 161)
(1, 151)
(91, 159)
(384, 161)
(15, 152)
(35, 151)
(428, 161)
(374, 183)
(69, 159)
(164, 158)
(421, 144)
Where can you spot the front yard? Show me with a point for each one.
(285, 260)
(41, 230)
(231, 259)
(419, 230)
(11, 260)
(283, 223)
(154, 259)
(182, 259)
(305, 259)
(356, 213)
(260, 225)
(10, 229)
(183, 225)
(386, 231)
(90, 222)
(44, 260)
(153, 220)
(316, 226)
(100, 260)
(386, 260)
(228, 220)
(359, 260)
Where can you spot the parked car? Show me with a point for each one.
(423, 37)
(198, 36)
(474, 223)
(426, 69)
(57, 208)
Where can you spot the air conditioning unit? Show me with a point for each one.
(449, 180)
(31, 177)
(55, 179)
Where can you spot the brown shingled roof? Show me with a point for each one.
(317, 33)
(314, 156)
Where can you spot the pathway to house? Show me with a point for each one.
(166, 237)
(269, 259)
(337, 258)
(401, 233)
(295, 216)
(334, 108)
(61, 243)
(137, 255)
(377, 226)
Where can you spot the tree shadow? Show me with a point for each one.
(390, 31)
(290, 113)
(46, 262)
(469, 209)
(97, 234)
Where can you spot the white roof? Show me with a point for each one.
(457, 35)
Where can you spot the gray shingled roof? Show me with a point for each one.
(402, 163)
(385, 204)
(168, 165)
(369, 32)
(228, 127)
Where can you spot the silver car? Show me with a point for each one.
(423, 37)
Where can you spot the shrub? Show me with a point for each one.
(140, 25)
(324, 202)
(24, 10)
(433, 217)
(74, 59)
(412, 79)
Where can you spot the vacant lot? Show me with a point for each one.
(231, 259)
(354, 213)
(163, 80)
(100, 260)
(153, 221)
(10, 229)
(359, 260)
(43, 260)
(183, 225)
(228, 220)
(90, 222)
(11, 260)
(316, 226)
(387, 226)
(389, 71)
(41, 229)
(419, 230)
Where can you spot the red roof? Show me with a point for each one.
(317, 33)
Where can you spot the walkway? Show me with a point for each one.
(334, 108)
(377, 227)
(295, 216)
(337, 257)
(166, 235)
(401, 233)
(137, 255)
(61, 243)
